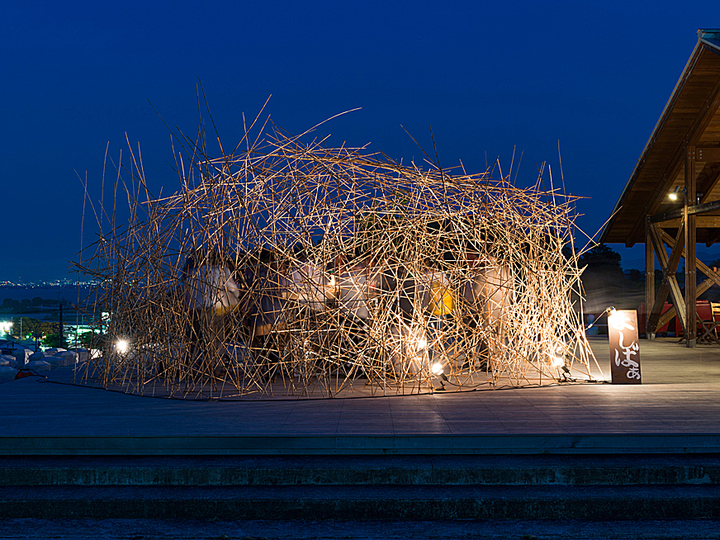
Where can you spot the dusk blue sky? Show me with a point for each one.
(487, 77)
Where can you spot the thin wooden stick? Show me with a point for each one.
(290, 268)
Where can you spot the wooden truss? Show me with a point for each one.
(694, 213)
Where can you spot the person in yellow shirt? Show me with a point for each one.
(441, 299)
(439, 303)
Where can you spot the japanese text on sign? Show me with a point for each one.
(624, 347)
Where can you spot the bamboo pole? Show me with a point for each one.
(293, 269)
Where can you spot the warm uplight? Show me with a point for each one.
(558, 355)
(617, 319)
(121, 346)
(437, 368)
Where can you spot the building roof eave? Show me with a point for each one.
(710, 41)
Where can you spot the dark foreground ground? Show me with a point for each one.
(566, 461)
(256, 530)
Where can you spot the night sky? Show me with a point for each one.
(488, 77)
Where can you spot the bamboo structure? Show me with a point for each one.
(291, 269)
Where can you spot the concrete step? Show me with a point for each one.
(361, 502)
(571, 470)
(204, 529)
(44, 441)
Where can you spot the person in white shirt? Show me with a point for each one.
(211, 293)
(358, 284)
(310, 286)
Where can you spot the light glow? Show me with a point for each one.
(421, 344)
(437, 368)
(672, 196)
(558, 355)
(616, 320)
(121, 346)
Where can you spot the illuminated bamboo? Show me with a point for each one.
(355, 275)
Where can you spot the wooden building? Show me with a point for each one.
(673, 195)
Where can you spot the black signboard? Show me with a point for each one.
(624, 347)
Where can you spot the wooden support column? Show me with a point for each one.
(690, 249)
(669, 282)
(649, 280)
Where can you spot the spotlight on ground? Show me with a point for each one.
(121, 346)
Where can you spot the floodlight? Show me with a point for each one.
(609, 310)
(121, 346)
(437, 369)
(674, 194)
